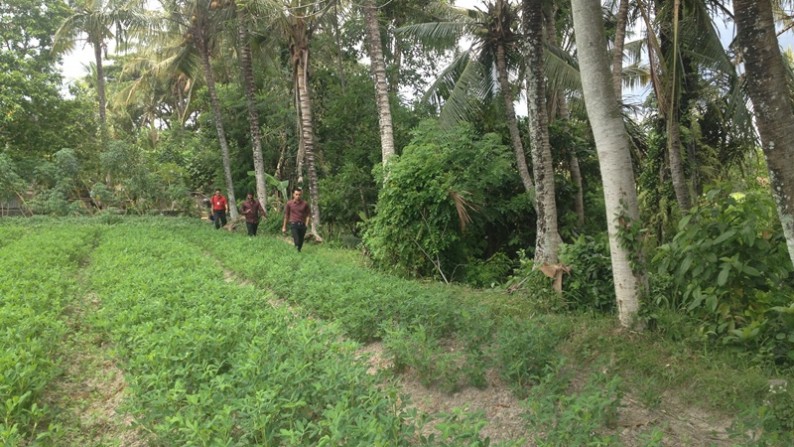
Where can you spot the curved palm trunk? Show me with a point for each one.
(307, 135)
(246, 67)
(767, 88)
(620, 39)
(381, 86)
(216, 112)
(548, 237)
(612, 144)
(510, 116)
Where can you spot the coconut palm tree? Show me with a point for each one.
(96, 22)
(612, 144)
(295, 21)
(198, 23)
(548, 237)
(768, 88)
(242, 20)
(493, 50)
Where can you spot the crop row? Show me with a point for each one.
(210, 362)
(38, 280)
(416, 321)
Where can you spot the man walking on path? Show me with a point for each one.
(296, 213)
(219, 209)
(252, 210)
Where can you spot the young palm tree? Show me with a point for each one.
(612, 144)
(768, 88)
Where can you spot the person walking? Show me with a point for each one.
(219, 209)
(296, 213)
(253, 211)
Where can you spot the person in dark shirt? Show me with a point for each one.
(253, 211)
(296, 213)
(219, 209)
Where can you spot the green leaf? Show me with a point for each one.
(723, 276)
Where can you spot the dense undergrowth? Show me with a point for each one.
(210, 361)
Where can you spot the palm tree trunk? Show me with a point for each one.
(676, 161)
(510, 116)
(307, 137)
(100, 90)
(612, 145)
(548, 237)
(301, 154)
(562, 112)
(381, 86)
(620, 39)
(246, 67)
(769, 92)
(216, 112)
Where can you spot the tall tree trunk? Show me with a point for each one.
(676, 160)
(300, 156)
(510, 116)
(247, 72)
(560, 110)
(668, 94)
(216, 112)
(339, 62)
(381, 87)
(307, 136)
(620, 39)
(548, 237)
(612, 144)
(769, 92)
(100, 91)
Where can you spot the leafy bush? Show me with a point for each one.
(437, 200)
(589, 286)
(730, 269)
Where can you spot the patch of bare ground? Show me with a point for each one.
(502, 410)
(680, 425)
(91, 389)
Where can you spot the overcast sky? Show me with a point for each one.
(75, 64)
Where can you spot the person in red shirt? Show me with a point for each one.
(219, 209)
(253, 211)
(296, 213)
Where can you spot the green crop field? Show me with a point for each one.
(224, 340)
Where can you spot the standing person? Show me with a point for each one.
(252, 210)
(296, 212)
(219, 209)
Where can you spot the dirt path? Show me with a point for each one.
(502, 411)
(92, 388)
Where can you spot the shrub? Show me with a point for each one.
(589, 285)
(730, 269)
(433, 209)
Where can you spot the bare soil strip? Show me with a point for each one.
(92, 388)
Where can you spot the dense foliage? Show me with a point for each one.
(444, 204)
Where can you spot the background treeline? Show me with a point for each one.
(428, 168)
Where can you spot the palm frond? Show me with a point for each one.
(468, 89)
(562, 70)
